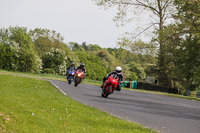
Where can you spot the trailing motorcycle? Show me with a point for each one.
(70, 75)
(78, 77)
(110, 85)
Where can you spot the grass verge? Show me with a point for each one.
(34, 105)
(87, 81)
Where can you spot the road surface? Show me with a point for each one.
(161, 113)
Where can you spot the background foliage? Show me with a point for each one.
(172, 57)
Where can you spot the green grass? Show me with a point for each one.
(43, 76)
(93, 82)
(48, 76)
(34, 105)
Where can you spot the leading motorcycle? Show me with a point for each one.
(110, 85)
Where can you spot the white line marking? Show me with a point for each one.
(58, 88)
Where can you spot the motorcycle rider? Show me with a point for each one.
(117, 71)
(82, 67)
(71, 66)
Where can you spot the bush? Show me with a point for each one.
(48, 71)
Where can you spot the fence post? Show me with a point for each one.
(130, 85)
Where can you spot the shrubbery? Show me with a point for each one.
(48, 71)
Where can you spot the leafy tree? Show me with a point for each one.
(93, 64)
(7, 60)
(43, 45)
(74, 46)
(44, 40)
(18, 50)
(84, 45)
(138, 70)
(184, 41)
(94, 47)
(159, 12)
(27, 56)
(132, 77)
(107, 60)
(50, 34)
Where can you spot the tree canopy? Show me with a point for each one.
(172, 56)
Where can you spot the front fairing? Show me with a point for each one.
(113, 82)
(71, 72)
(79, 73)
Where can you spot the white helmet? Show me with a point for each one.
(118, 69)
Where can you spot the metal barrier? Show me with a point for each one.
(198, 94)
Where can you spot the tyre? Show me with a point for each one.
(109, 89)
(78, 80)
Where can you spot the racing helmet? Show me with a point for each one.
(72, 63)
(118, 69)
(82, 64)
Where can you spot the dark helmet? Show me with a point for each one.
(72, 63)
(82, 64)
(118, 69)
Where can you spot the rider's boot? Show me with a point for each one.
(118, 88)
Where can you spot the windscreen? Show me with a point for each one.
(114, 76)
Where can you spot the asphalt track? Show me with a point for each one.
(161, 113)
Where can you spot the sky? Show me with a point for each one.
(76, 20)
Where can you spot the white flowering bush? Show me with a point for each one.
(37, 67)
(56, 60)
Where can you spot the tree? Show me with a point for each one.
(159, 10)
(27, 56)
(84, 45)
(138, 70)
(74, 46)
(7, 58)
(95, 69)
(44, 40)
(184, 42)
(94, 47)
(18, 50)
(107, 60)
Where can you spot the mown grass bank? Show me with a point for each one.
(48, 76)
(34, 105)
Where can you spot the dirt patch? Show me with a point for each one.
(5, 119)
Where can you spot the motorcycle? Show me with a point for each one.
(70, 75)
(110, 85)
(78, 77)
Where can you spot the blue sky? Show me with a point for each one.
(76, 20)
